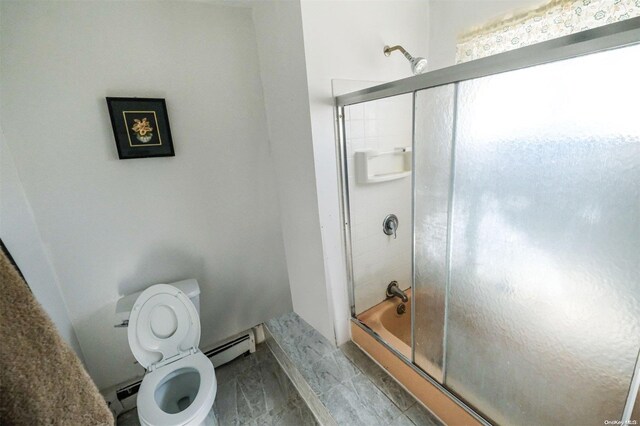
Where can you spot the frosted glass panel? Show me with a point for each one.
(433, 140)
(543, 321)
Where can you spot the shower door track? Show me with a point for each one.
(453, 397)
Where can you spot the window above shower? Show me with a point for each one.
(551, 20)
(462, 31)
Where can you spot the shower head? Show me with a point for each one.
(418, 65)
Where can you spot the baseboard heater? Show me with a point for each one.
(230, 349)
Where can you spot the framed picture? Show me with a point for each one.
(141, 127)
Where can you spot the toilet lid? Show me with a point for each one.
(163, 324)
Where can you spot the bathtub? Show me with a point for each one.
(392, 327)
(394, 330)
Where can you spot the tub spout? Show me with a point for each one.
(394, 290)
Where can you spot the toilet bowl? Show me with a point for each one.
(180, 384)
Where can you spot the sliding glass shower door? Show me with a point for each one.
(527, 239)
(434, 121)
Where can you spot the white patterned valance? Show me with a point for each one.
(553, 19)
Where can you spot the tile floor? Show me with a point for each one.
(354, 389)
(382, 380)
(252, 390)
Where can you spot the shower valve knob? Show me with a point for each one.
(390, 225)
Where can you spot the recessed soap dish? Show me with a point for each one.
(381, 166)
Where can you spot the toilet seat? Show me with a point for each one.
(163, 333)
(164, 326)
(150, 413)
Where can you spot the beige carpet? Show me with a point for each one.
(42, 381)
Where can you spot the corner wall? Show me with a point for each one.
(344, 40)
(20, 233)
(283, 71)
(113, 227)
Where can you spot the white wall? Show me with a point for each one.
(20, 234)
(110, 227)
(451, 18)
(344, 40)
(282, 64)
(113, 227)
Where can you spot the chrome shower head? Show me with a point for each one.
(418, 64)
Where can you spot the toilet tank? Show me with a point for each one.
(189, 287)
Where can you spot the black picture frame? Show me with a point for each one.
(140, 127)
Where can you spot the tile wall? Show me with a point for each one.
(378, 259)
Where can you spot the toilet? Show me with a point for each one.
(179, 386)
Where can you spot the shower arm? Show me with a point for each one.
(387, 51)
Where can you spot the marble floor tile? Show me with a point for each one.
(288, 327)
(263, 354)
(250, 394)
(251, 388)
(303, 388)
(308, 348)
(130, 418)
(278, 390)
(294, 413)
(306, 416)
(378, 376)
(345, 367)
(225, 404)
(421, 416)
(328, 371)
(246, 410)
(372, 398)
(346, 408)
(352, 387)
(403, 420)
(234, 368)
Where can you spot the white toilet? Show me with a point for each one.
(164, 331)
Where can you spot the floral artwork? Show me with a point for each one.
(141, 127)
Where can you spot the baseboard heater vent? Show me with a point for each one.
(230, 349)
(128, 391)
